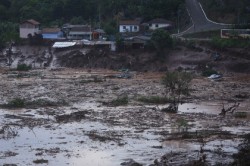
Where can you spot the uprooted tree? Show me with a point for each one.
(176, 85)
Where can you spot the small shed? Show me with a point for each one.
(98, 34)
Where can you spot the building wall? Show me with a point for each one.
(25, 31)
(129, 28)
(156, 26)
(79, 35)
(27, 28)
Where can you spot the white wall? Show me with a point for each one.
(128, 28)
(25, 31)
(154, 26)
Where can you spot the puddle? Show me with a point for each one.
(203, 107)
(77, 148)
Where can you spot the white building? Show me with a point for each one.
(159, 23)
(129, 26)
(29, 27)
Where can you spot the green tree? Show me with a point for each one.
(176, 84)
(8, 33)
(119, 42)
(77, 20)
(161, 41)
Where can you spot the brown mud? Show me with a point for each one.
(78, 129)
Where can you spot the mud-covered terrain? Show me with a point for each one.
(186, 57)
(63, 116)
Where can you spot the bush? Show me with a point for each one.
(45, 103)
(208, 72)
(153, 100)
(41, 161)
(16, 103)
(120, 101)
(242, 158)
(21, 103)
(229, 43)
(240, 115)
(23, 67)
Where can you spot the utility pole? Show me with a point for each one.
(178, 21)
(8, 55)
(99, 15)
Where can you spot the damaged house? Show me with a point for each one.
(78, 32)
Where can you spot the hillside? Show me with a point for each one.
(227, 11)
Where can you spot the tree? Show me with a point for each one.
(176, 84)
(8, 33)
(119, 42)
(161, 41)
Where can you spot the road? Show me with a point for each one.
(199, 19)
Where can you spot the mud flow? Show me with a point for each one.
(77, 117)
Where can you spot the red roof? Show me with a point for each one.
(51, 30)
(31, 21)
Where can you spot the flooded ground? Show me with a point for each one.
(66, 118)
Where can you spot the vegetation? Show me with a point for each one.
(23, 67)
(95, 80)
(229, 11)
(208, 72)
(227, 43)
(120, 101)
(176, 84)
(242, 158)
(153, 99)
(22, 103)
(8, 32)
(202, 35)
(16, 103)
(41, 161)
(161, 40)
(80, 11)
(240, 114)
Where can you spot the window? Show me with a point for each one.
(124, 27)
(156, 25)
(135, 28)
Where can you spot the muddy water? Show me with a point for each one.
(106, 135)
(75, 148)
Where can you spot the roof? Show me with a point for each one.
(87, 42)
(51, 30)
(99, 30)
(84, 28)
(141, 37)
(160, 21)
(129, 22)
(63, 44)
(31, 21)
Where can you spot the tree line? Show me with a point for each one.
(61, 11)
(238, 11)
(99, 13)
